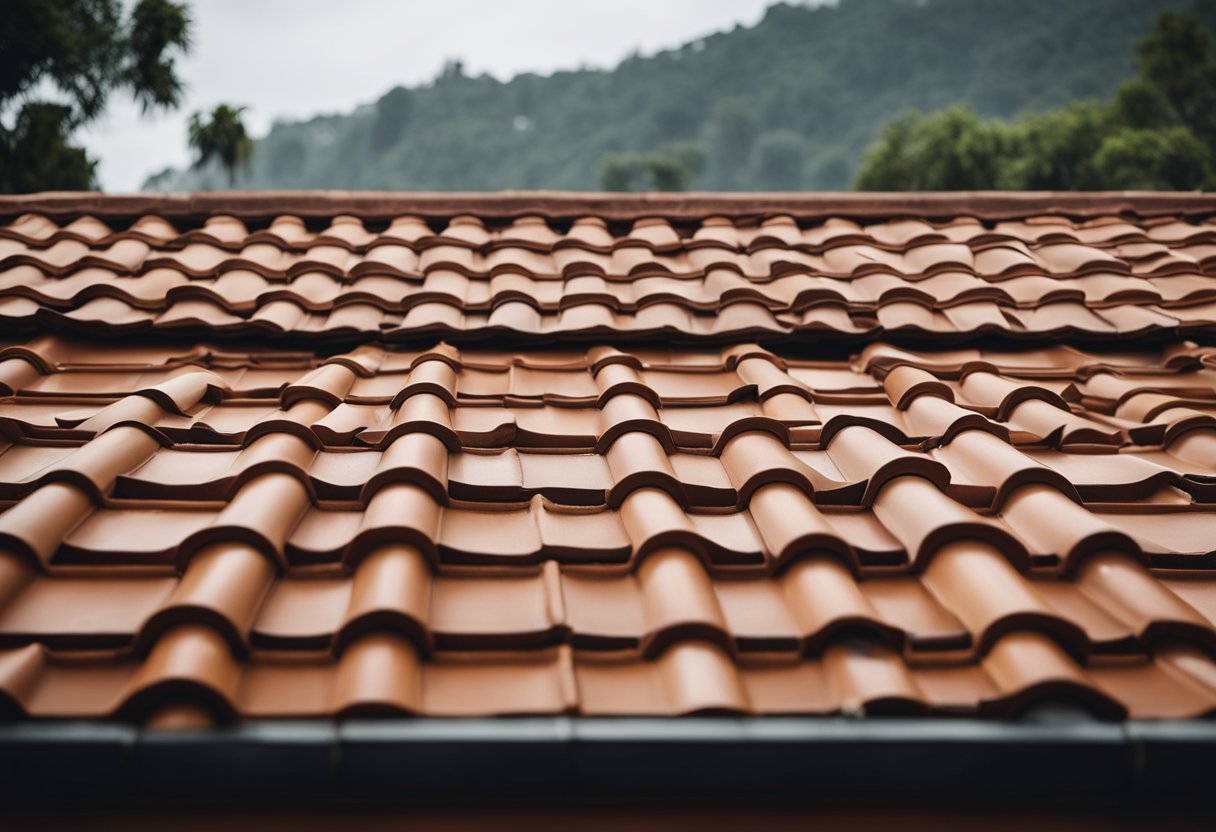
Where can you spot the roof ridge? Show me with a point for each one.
(553, 204)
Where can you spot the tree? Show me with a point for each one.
(1173, 158)
(621, 172)
(676, 166)
(39, 153)
(1140, 103)
(222, 138)
(834, 73)
(949, 150)
(673, 168)
(81, 51)
(1158, 133)
(1055, 150)
(666, 173)
(1179, 58)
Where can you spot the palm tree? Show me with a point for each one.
(223, 137)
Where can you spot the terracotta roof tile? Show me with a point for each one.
(642, 542)
(471, 462)
(717, 278)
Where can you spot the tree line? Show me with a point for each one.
(1159, 132)
(791, 103)
(1019, 94)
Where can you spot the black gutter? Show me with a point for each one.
(579, 761)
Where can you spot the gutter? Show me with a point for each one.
(1060, 760)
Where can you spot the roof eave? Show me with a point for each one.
(708, 761)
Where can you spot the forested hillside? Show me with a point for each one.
(791, 103)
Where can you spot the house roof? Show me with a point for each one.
(594, 456)
(315, 269)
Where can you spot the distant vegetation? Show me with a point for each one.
(1158, 133)
(60, 60)
(220, 138)
(791, 103)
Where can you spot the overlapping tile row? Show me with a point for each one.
(715, 279)
(201, 533)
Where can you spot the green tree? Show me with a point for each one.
(1140, 103)
(1055, 150)
(1179, 58)
(39, 153)
(675, 167)
(666, 173)
(950, 150)
(834, 73)
(82, 51)
(221, 137)
(621, 172)
(1169, 159)
(1158, 133)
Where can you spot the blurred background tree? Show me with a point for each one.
(674, 167)
(78, 52)
(1021, 94)
(221, 137)
(789, 103)
(1158, 133)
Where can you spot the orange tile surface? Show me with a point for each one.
(225, 525)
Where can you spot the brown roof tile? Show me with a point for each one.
(192, 267)
(335, 491)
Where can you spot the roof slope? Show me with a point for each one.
(548, 269)
(224, 525)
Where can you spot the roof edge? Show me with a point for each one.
(1057, 758)
(989, 205)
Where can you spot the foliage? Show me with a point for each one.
(222, 138)
(673, 168)
(36, 155)
(1179, 59)
(78, 52)
(1158, 133)
(829, 75)
(622, 172)
(911, 150)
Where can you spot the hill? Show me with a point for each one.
(790, 103)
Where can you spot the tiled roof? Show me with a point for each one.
(384, 510)
(535, 273)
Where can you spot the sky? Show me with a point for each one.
(287, 59)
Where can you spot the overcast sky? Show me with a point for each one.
(296, 58)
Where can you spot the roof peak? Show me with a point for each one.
(617, 206)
